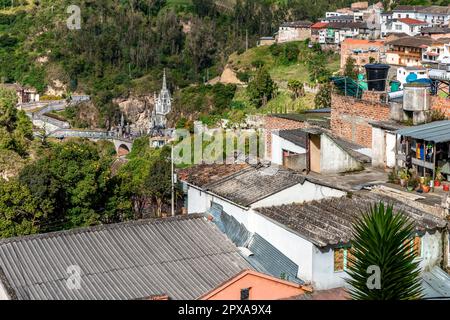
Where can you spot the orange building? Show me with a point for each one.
(252, 285)
(362, 51)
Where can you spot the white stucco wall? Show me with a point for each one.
(324, 276)
(432, 253)
(390, 149)
(298, 194)
(3, 294)
(279, 144)
(198, 201)
(378, 147)
(290, 244)
(334, 159)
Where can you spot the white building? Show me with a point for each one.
(407, 26)
(294, 31)
(321, 246)
(417, 72)
(316, 151)
(433, 15)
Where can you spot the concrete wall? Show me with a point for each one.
(324, 276)
(390, 149)
(298, 194)
(432, 251)
(334, 159)
(279, 144)
(198, 201)
(3, 294)
(383, 148)
(293, 246)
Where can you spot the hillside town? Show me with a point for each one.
(209, 223)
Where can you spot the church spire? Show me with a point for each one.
(164, 80)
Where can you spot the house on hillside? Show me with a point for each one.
(239, 188)
(407, 52)
(409, 26)
(433, 15)
(147, 260)
(294, 31)
(315, 150)
(24, 94)
(317, 235)
(362, 51)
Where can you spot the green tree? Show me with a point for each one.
(15, 127)
(20, 213)
(317, 68)
(350, 69)
(262, 88)
(297, 88)
(383, 244)
(323, 97)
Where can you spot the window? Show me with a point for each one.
(415, 246)
(245, 294)
(398, 27)
(342, 259)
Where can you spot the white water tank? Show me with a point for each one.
(416, 97)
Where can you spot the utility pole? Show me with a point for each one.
(173, 184)
(246, 39)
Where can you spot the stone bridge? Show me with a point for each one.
(122, 145)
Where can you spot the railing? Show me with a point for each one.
(439, 74)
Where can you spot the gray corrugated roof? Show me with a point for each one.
(182, 257)
(265, 257)
(436, 284)
(329, 222)
(254, 184)
(296, 136)
(437, 132)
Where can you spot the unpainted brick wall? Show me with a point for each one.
(442, 104)
(272, 124)
(350, 117)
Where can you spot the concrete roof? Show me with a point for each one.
(329, 222)
(181, 257)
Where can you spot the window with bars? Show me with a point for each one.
(342, 259)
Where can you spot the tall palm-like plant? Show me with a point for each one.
(383, 265)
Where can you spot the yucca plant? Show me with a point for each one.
(382, 248)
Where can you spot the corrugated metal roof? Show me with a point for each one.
(436, 284)
(255, 183)
(182, 257)
(437, 132)
(329, 221)
(265, 257)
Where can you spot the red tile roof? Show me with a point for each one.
(412, 21)
(319, 25)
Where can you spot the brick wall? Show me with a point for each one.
(441, 104)
(350, 117)
(272, 124)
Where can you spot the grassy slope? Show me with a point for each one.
(281, 74)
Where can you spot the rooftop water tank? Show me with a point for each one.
(377, 75)
(416, 97)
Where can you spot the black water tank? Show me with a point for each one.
(377, 71)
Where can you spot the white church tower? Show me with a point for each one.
(163, 106)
